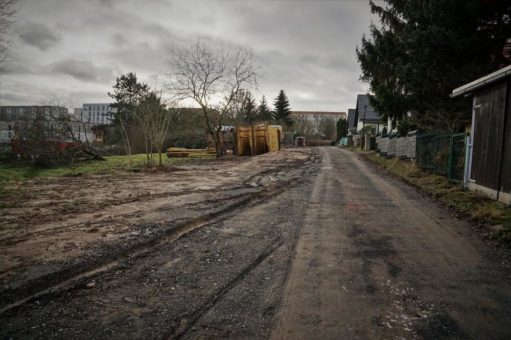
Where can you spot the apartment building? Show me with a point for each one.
(96, 113)
(14, 119)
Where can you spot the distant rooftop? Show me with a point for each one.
(364, 109)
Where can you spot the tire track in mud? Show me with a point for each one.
(186, 322)
(74, 276)
(37, 233)
(245, 184)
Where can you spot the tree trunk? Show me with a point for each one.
(125, 138)
(218, 144)
(160, 151)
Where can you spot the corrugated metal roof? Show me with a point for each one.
(481, 82)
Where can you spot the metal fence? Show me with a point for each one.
(402, 147)
(442, 154)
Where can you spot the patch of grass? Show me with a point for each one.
(481, 210)
(11, 175)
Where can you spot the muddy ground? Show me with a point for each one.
(304, 243)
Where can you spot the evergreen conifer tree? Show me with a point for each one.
(282, 110)
(424, 49)
(249, 109)
(264, 112)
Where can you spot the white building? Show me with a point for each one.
(96, 113)
(365, 115)
(315, 117)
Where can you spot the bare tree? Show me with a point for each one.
(212, 77)
(303, 126)
(49, 135)
(73, 130)
(7, 10)
(154, 117)
(243, 109)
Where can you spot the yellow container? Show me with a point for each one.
(244, 141)
(274, 137)
(260, 145)
(258, 139)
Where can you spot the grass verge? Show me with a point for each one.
(12, 176)
(493, 215)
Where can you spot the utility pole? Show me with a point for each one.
(364, 121)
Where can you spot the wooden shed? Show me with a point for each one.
(488, 165)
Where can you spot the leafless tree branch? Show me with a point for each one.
(213, 78)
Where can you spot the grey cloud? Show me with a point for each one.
(118, 39)
(38, 35)
(83, 70)
(7, 97)
(306, 48)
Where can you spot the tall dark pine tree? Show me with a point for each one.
(282, 110)
(424, 49)
(249, 109)
(264, 113)
(127, 93)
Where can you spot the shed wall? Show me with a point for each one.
(505, 175)
(488, 136)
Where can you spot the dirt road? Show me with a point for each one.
(303, 244)
(375, 260)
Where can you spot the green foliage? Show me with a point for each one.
(127, 94)
(264, 113)
(404, 126)
(424, 49)
(111, 164)
(282, 110)
(187, 129)
(248, 110)
(342, 128)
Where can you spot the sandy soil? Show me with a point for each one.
(58, 224)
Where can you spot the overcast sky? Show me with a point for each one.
(74, 49)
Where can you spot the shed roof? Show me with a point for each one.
(482, 82)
